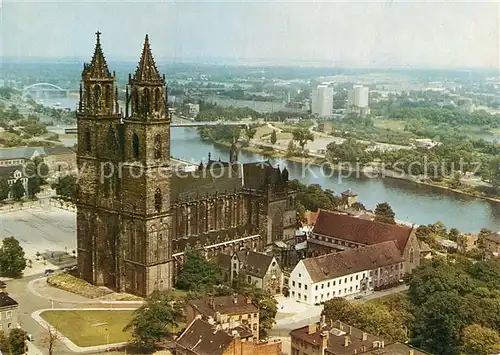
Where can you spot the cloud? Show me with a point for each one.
(444, 34)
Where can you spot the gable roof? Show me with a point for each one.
(359, 230)
(255, 264)
(19, 153)
(237, 304)
(329, 266)
(57, 150)
(201, 338)
(7, 171)
(493, 237)
(6, 300)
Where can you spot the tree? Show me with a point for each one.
(37, 171)
(250, 131)
(198, 274)
(66, 187)
(456, 181)
(453, 234)
(12, 260)
(338, 308)
(50, 339)
(4, 343)
(156, 319)
(438, 276)
(4, 188)
(384, 213)
(302, 136)
(17, 190)
(358, 206)
(17, 340)
(439, 323)
(274, 137)
(480, 340)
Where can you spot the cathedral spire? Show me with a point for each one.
(97, 68)
(146, 70)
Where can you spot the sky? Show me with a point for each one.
(446, 34)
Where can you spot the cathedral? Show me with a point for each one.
(137, 213)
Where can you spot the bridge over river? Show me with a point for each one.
(72, 129)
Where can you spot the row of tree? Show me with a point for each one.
(13, 343)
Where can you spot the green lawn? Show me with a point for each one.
(391, 124)
(90, 328)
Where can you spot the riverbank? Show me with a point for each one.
(369, 171)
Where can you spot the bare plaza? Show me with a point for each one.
(45, 229)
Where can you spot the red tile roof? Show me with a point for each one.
(362, 231)
(329, 266)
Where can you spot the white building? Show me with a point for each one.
(357, 100)
(319, 279)
(13, 174)
(322, 101)
(193, 109)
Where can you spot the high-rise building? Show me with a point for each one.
(357, 100)
(322, 101)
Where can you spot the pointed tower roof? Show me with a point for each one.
(97, 68)
(146, 70)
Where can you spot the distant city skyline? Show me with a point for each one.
(337, 34)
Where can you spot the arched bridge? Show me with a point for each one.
(43, 90)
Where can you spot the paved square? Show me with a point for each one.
(41, 229)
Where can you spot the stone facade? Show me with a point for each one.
(136, 215)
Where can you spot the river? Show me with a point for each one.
(410, 201)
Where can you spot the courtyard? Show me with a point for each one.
(43, 229)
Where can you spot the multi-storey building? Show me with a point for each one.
(8, 312)
(228, 312)
(322, 101)
(334, 232)
(337, 338)
(261, 270)
(318, 279)
(204, 338)
(357, 100)
(136, 215)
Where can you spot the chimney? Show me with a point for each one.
(311, 328)
(382, 344)
(235, 300)
(324, 339)
(365, 336)
(350, 330)
(249, 300)
(323, 320)
(346, 341)
(412, 352)
(211, 302)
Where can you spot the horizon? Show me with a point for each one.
(382, 35)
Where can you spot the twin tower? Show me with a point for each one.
(123, 195)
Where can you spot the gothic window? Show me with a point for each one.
(411, 256)
(135, 146)
(111, 139)
(277, 228)
(97, 96)
(158, 200)
(107, 96)
(202, 218)
(157, 146)
(87, 142)
(135, 100)
(146, 95)
(157, 99)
